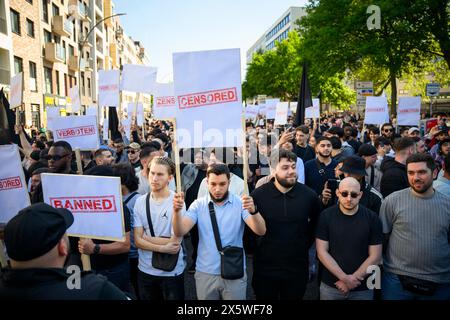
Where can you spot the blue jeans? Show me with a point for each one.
(392, 289)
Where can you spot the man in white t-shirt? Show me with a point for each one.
(156, 284)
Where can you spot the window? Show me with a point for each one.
(30, 1)
(48, 80)
(35, 115)
(33, 77)
(71, 51)
(57, 82)
(82, 84)
(44, 11)
(89, 87)
(30, 28)
(15, 22)
(55, 10)
(47, 36)
(18, 65)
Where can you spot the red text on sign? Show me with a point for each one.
(207, 98)
(10, 183)
(98, 204)
(75, 132)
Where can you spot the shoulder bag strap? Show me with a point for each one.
(149, 218)
(215, 227)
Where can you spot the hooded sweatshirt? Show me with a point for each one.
(394, 177)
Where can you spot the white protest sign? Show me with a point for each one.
(16, 93)
(208, 87)
(108, 88)
(95, 202)
(262, 109)
(105, 132)
(74, 96)
(293, 106)
(13, 188)
(92, 111)
(165, 102)
(281, 113)
(271, 108)
(138, 78)
(408, 112)
(376, 111)
(126, 123)
(251, 111)
(140, 114)
(80, 131)
(314, 111)
(52, 113)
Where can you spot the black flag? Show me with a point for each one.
(304, 98)
(7, 122)
(114, 124)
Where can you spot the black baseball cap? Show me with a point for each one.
(354, 165)
(367, 150)
(36, 230)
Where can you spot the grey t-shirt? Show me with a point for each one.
(419, 235)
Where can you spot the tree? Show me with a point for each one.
(336, 38)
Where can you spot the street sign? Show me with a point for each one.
(364, 89)
(433, 89)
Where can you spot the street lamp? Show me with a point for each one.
(84, 42)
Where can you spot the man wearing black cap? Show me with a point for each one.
(38, 247)
(355, 167)
(370, 155)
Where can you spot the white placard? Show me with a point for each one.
(408, 112)
(80, 131)
(16, 93)
(314, 111)
(140, 115)
(13, 188)
(271, 108)
(108, 88)
(92, 111)
(376, 111)
(262, 109)
(281, 114)
(251, 111)
(126, 123)
(105, 129)
(52, 113)
(95, 202)
(208, 87)
(293, 106)
(75, 103)
(138, 78)
(165, 102)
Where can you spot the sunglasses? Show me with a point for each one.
(345, 194)
(55, 157)
(388, 130)
(133, 152)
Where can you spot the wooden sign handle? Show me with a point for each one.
(177, 156)
(245, 156)
(79, 163)
(86, 261)
(3, 260)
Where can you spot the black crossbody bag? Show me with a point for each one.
(160, 260)
(231, 258)
(418, 286)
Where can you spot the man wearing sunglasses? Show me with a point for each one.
(348, 241)
(60, 158)
(134, 150)
(387, 131)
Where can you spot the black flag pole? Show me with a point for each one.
(304, 97)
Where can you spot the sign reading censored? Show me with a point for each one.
(207, 98)
(10, 183)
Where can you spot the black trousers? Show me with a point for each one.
(280, 288)
(134, 262)
(160, 288)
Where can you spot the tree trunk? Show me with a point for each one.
(393, 95)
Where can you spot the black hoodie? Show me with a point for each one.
(394, 177)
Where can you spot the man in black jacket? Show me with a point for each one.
(290, 209)
(38, 246)
(394, 170)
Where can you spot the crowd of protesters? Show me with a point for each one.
(327, 201)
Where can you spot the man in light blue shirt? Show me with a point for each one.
(442, 184)
(231, 213)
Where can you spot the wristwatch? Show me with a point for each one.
(96, 249)
(256, 210)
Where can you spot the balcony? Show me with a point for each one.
(5, 76)
(119, 33)
(87, 64)
(80, 10)
(55, 52)
(73, 63)
(62, 27)
(3, 26)
(85, 44)
(100, 47)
